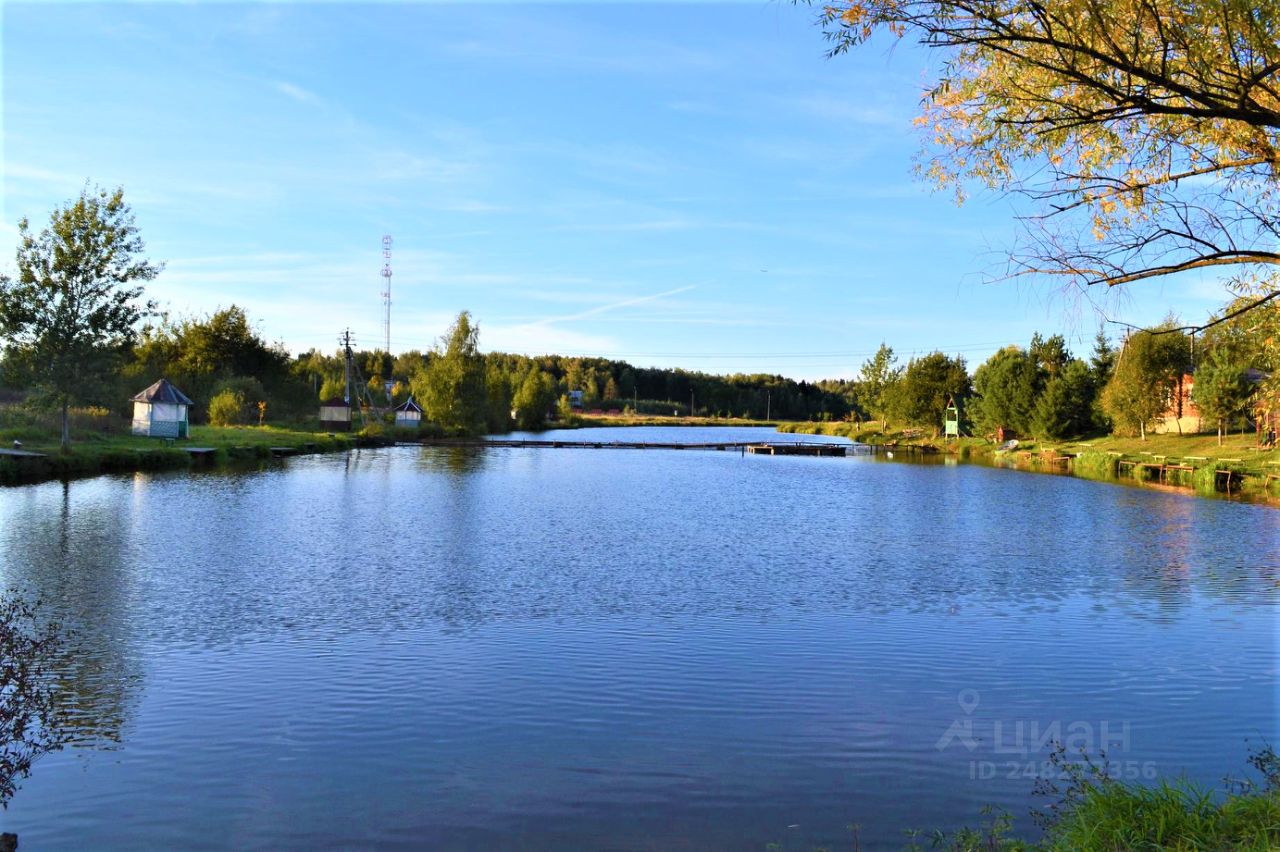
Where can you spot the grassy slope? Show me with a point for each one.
(96, 451)
(1098, 456)
(1173, 446)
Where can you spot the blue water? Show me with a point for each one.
(613, 649)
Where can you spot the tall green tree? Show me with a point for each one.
(922, 394)
(451, 388)
(1064, 408)
(1050, 354)
(497, 385)
(73, 307)
(1005, 386)
(1146, 370)
(1221, 390)
(876, 379)
(534, 398)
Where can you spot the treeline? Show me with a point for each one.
(466, 391)
(235, 376)
(77, 331)
(1230, 372)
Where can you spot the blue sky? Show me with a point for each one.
(676, 184)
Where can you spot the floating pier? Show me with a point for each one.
(22, 454)
(780, 448)
(799, 449)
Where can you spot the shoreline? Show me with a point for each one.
(1256, 480)
(208, 448)
(1110, 460)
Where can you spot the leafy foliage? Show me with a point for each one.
(1064, 408)
(921, 396)
(71, 311)
(228, 408)
(1221, 390)
(451, 388)
(204, 355)
(534, 398)
(32, 720)
(877, 379)
(1006, 385)
(1143, 132)
(1139, 389)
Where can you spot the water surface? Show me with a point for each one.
(549, 649)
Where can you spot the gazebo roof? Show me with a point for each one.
(409, 405)
(163, 392)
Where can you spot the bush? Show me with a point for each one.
(228, 408)
(1096, 465)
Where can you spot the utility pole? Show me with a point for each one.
(345, 340)
(690, 402)
(768, 405)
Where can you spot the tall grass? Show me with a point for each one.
(1096, 813)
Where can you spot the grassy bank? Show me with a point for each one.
(97, 452)
(1160, 459)
(1091, 811)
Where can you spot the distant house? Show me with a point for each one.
(575, 399)
(160, 411)
(409, 414)
(1181, 414)
(335, 415)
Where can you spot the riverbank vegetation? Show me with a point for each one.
(1090, 810)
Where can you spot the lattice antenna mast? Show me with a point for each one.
(386, 293)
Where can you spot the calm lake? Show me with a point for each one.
(613, 649)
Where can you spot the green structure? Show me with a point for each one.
(951, 424)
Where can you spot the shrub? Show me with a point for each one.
(1096, 465)
(228, 408)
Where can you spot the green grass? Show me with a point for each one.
(103, 445)
(1098, 457)
(1096, 813)
(1172, 816)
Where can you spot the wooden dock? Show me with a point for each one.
(22, 454)
(799, 449)
(780, 448)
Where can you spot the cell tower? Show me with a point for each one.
(386, 293)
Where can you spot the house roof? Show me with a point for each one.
(409, 405)
(335, 402)
(163, 392)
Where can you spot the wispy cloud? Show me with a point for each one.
(296, 92)
(612, 306)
